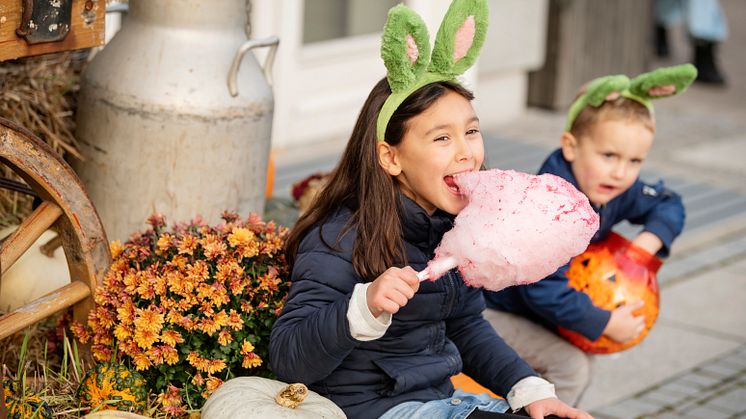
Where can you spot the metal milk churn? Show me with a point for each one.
(167, 120)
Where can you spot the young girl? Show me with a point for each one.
(358, 326)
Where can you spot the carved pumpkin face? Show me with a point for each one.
(614, 272)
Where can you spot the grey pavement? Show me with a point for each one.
(693, 362)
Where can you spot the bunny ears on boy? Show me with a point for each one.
(660, 83)
(405, 49)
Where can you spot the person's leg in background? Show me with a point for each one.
(558, 361)
(667, 13)
(707, 28)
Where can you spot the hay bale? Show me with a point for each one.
(39, 93)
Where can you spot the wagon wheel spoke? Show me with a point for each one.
(65, 206)
(27, 233)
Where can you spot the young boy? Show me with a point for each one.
(609, 132)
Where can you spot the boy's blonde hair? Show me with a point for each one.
(621, 108)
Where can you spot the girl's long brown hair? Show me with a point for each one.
(361, 184)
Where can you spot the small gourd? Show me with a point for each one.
(26, 405)
(111, 381)
(615, 272)
(256, 397)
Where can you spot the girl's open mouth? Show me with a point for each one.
(451, 183)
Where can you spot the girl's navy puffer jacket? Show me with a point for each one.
(439, 333)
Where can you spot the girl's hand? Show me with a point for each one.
(554, 406)
(623, 325)
(392, 290)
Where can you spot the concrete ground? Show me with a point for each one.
(693, 363)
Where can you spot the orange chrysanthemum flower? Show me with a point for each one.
(251, 360)
(213, 246)
(188, 244)
(172, 402)
(174, 298)
(171, 337)
(201, 364)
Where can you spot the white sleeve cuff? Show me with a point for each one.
(529, 390)
(363, 326)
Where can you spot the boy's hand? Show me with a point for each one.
(392, 290)
(648, 241)
(623, 325)
(553, 406)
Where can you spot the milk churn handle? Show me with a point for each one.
(272, 42)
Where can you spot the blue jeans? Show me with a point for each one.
(704, 18)
(458, 406)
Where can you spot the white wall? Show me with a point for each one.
(320, 87)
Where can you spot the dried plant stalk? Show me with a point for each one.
(39, 93)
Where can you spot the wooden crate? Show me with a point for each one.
(86, 29)
(587, 39)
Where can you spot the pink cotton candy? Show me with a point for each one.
(516, 229)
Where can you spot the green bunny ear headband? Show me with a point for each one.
(660, 83)
(405, 49)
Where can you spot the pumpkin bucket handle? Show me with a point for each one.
(292, 395)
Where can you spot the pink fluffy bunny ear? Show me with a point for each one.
(460, 37)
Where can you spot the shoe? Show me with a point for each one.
(704, 60)
(661, 41)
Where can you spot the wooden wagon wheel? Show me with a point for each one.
(67, 207)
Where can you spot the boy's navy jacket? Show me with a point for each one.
(437, 334)
(551, 301)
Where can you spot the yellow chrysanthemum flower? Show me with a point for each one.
(170, 355)
(164, 243)
(145, 338)
(241, 236)
(122, 332)
(225, 337)
(115, 248)
(247, 348)
(201, 364)
(141, 361)
(215, 366)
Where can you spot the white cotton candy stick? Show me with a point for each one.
(437, 267)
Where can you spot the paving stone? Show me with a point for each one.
(633, 408)
(707, 412)
(734, 401)
(616, 411)
(664, 415)
(664, 398)
(604, 415)
(679, 387)
(699, 380)
(719, 370)
(740, 356)
(733, 362)
(697, 303)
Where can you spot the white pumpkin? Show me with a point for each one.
(33, 275)
(256, 397)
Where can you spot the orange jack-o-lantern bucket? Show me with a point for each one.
(615, 272)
